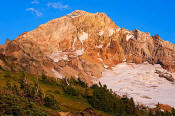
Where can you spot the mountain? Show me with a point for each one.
(83, 44)
(91, 47)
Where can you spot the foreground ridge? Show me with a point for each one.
(25, 94)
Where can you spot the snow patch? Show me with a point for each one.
(74, 16)
(140, 82)
(59, 55)
(105, 66)
(100, 59)
(100, 46)
(79, 52)
(108, 44)
(124, 60)
(128, 37)
(83, 37)
(73, 45)
(111, 32)
(57, 74)
(126, 32)
(101, 33)
(118, 29)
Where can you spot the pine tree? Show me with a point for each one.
(173, 111)
(8, 84)
(150, 113)
(44, 77)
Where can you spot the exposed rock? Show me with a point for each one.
(83, 44)
(163, 107)
(165, 75)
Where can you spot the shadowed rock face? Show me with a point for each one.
(82, 44)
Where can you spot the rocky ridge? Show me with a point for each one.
(83, 44)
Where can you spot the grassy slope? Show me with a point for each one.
(67, 103)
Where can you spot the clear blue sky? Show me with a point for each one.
(154, 16)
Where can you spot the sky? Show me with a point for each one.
(154, 16)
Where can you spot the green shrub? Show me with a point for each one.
(69, 90)
(49, 101)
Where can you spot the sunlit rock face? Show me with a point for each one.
(83, 44)
(141, 82)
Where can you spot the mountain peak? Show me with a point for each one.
(78, 13)
(83, 44)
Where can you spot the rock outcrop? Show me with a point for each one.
(165, 75)
(83, 44)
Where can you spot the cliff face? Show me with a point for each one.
(82, 44)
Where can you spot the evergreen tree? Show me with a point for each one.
(173, 111)
(49, 101)
(150, 113)
(44, 77)
(8, 84)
